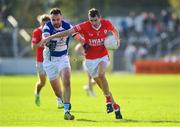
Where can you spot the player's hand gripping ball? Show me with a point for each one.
(111, 43)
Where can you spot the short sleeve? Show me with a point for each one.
(46, 31)
(79, 27)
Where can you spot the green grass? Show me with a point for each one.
(146, 100)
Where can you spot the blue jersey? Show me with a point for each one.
(61, 43)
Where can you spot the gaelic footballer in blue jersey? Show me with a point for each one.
(56, 61)
(60, 45)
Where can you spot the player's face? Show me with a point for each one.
(56, 20)
(95, 21)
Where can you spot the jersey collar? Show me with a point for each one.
(97, 27)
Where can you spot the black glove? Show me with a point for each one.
(51, 45)
(85, 46)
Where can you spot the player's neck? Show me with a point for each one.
(96, 27)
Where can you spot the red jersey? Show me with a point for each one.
(36, 38)
(94, 37)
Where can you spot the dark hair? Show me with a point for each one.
(55, 11)
(93, 12)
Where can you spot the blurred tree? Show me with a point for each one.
(175, 5)
(69, 8)
(26, 11)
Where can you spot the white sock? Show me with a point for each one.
(59, 100)
(37, 94)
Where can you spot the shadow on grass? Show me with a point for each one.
(147, 121)
(89, 112)
(123, 120)
(86, 120)
(131, 121)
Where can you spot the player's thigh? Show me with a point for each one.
(65, 74)
(41, 72)
(103, 64)
(55, 84)
(64, 68)
(40, 69)
(92, 67)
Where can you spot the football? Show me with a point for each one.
(111, 43)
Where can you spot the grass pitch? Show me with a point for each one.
(146, 100)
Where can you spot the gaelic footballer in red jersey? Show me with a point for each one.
(38, 46)
(36, 39)
(95, 36)
(94, 31)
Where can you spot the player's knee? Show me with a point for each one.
(101, 75)
(66, 75)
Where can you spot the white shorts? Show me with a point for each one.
(40, 69)
(55, 66)
(84, 65)
(92, 65)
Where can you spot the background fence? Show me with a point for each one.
(149, 32)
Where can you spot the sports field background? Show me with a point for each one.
(145, 100)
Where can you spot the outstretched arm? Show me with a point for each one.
(79, 38)
(116, 35)
(59, 34)
(35, 46)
